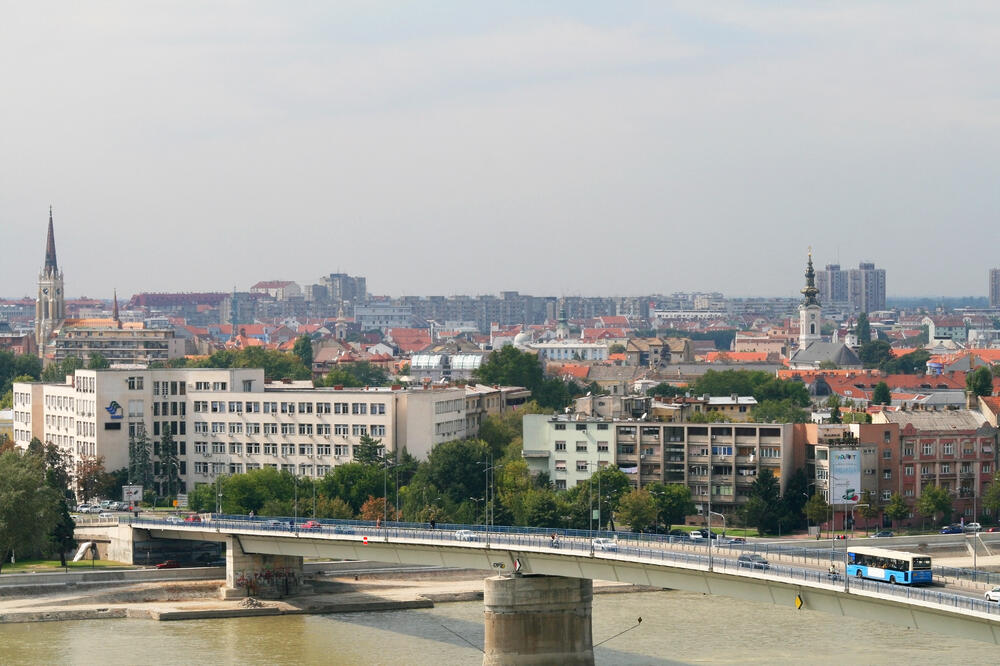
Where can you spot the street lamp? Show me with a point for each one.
(385, 495)
(477, 500)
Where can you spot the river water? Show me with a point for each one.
(676, 628)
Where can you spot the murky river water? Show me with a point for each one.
(677, 628)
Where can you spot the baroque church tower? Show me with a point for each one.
(809, 310)
(50, 308)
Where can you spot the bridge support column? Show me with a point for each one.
(536, 619)
(261, 576)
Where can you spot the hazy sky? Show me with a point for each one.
(471, 147)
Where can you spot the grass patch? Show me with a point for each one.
(27, 566)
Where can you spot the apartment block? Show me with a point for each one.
(718, 460)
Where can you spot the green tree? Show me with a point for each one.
(896, 509)
(303, 349)
(980, 381)
(991, 496)
(97, 361)
(541, 509)
(357, 374)
(91, 478)
(763, 508)
(638, 510)
(816, 509)
(761, 385)
(169, 463)
(140, 462)
(666, 390)
(354, 483)
(779, 411)
(608, 484)
(881, 394)
(794, 498)
(29, 507)
(333, 508)
(868, 508)
(833, 402)
(863, 329)
(370, 451)
(873, 354)
(57, 372)
(934, 500)
(276, 364)
(673, 502)
(616, 348)
(456, 469)
(914, 363)
(510, 366)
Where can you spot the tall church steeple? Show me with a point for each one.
(50, 309)
(810, 319)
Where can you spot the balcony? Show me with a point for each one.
(535, 453)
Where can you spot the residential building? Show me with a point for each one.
(946, 328)
(832, 285)
(571, 350)
(383, 316)
(866, 288)
(994, 288)
(718, 461)
(482, 401)
(647, 352)
(227, 421)
(279, 290)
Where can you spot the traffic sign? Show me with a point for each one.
(181, 501)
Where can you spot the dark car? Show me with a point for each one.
(169, 564)
(952, 529)
(881, 534)
(752, 561)
(342, 529)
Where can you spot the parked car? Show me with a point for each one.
(466, 535)
(973, 527)
(169, 564)
(193, 518)
(310, 525)
(994, 594)
(952, 529)
(881, 534)
(993, 529)
(696, 535)
(752, 561)
(609, 545)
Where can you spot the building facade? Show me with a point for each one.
(228, 421)
(717, 461)
(994, 287)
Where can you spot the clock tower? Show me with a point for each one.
(810, 319)
(50, 308)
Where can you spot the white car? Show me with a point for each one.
(973, 527)
(466, 535)
(105, 515)
(994, 594)
(609, 545)
(174, 519)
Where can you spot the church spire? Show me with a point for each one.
(810, 291)
(114, 311)
(50, 249)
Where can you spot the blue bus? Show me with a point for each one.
(891, 566)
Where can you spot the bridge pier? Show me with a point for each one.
(261, 576)
(535, 619)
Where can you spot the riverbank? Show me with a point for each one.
(197, 600)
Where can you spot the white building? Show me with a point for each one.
(228, 421)
(571, 350)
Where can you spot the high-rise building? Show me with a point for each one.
(866, 288)
(995, 287)
(832, 284)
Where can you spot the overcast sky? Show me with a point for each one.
(558, 148)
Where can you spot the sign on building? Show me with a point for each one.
(845, 476)
(132, 494)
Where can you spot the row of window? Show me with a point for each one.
(273, 407)
(304, 429)
(217, 469)
(581, 446)
(268, 449)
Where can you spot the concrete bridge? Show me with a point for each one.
(538, 607)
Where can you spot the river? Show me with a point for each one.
(676, 628)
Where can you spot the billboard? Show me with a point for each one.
(131, 494)
(845, 476)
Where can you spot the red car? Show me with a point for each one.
(193, 518)
(993, 529)
(310, 525)
(169, 564)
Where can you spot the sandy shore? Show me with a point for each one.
(199, 599)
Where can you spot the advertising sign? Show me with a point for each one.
(131, 494)
(845, 476)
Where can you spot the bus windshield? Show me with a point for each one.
(921, 563)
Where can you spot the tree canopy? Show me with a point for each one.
(361, 373)
(980, 381)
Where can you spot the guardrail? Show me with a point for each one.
(627, 549)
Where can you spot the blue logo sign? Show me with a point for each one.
(114, 409)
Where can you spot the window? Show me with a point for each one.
(927, 449)
(322, 408)
(218, 406)
(322, 470)
(908, 451)
(341, 450)
(377, 408)
(201, 447)
(886, 495)
(201, 468)
(253, 428)
(200, 427)
(270, 449)
(908, 470)
(560, 445)
(270, 407)
(581, 465)
(200, 405)
(322, 449)
(236, 406)
(886, 436)
(908, 492)
(305, 449)
(219, 386)
(235, 468)
(378, 431)
(323, 429)
(305, 428)
(134, 383)
(218, 427)
(581, 426)
(287, 428)
(560, 465)
(560, 426)
(340, 429)
(288, 449)
(887, 474)
(602, 447)
(948, 448)
(253, 448)
(359, 408)
(305, 408)
(602, 426)
(945, 468)
(340, 408)
(770, 452)
(722, 450)
(202, 386)
(235, 428)
(218, 447)
(581, 447)
(359, 430)
(247, 385)
(987, 468)
(252, 407)
(270, 428)
(235, 448)
(288, 408)
(560, 484)
(886, 454)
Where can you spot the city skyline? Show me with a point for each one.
(566, 149)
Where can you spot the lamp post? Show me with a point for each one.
(385, 496)
(710, 533)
